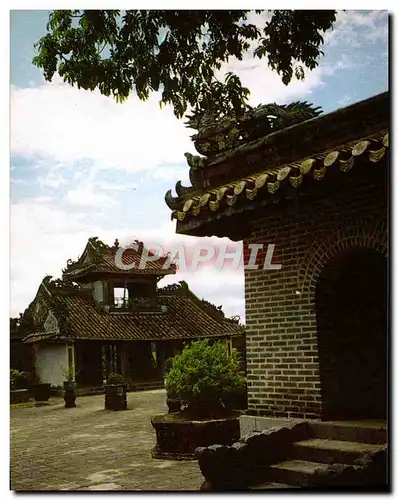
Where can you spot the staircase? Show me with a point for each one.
(326, 443)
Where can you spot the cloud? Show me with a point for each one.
(85, 196)
(88, 193)
(52, 178)
(69, 125)
(169, 172)
(266, 86)
(44, 237)
(352, 28)
(108, 186)
(221, 287)
(39, 199)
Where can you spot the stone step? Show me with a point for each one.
(360, 432)
(294, 472)
(329, 451)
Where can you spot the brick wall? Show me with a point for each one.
(282, 348)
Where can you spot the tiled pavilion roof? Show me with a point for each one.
(98, 257)
(182, 316)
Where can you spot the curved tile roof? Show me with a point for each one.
(293, 174)
(184, 316)
(98, 257)
(288, 159)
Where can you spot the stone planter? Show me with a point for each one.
(41, 393)
(116, 397)
(177, 437)
(19, 396)
(70, 394)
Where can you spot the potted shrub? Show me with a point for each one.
(13, 377)
(18, 387)
(69, 387)
(115, 392)
(203, 378)
(41, 391)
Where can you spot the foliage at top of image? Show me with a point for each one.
(204, 376)
(177, 52)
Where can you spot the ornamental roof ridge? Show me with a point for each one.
(289, 144)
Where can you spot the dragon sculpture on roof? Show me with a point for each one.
(218, 134)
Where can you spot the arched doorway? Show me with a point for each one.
(352, 318)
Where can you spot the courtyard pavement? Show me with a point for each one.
(88, 448)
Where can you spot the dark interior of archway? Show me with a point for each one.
(352, 317)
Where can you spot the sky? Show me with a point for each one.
(83, 165)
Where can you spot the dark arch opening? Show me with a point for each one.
(352, 319)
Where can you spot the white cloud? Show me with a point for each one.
(266, 86)
(108, 186)
(43, 238)
(87, 193)
(167, 172)
(53, 178)
(39, 199)
(352, 27)
(19, 181)
(85, 196)
(69, 125)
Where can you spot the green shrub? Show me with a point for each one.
(115, 379)
(14, 374)
(20, 380)
(69, 373)
(204, 377)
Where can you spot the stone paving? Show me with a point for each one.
(88, 448)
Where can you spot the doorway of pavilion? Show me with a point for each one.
(352, 319)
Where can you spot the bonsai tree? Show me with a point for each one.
(69, 373)
(69, 386)
(204, 377)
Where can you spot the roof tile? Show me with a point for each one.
(184, 318)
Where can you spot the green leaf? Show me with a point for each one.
(176, 51)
